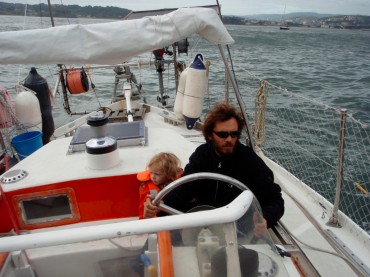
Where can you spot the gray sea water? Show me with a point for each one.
(330, 65)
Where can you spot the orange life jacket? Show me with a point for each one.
(148, 187)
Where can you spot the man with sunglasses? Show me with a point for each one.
(223, 153)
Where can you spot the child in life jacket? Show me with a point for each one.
(162, 169)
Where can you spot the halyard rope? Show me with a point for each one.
(259, 130)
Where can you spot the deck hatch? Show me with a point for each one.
(126, 134)
(46, 208)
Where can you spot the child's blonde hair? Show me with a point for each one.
(168, 162)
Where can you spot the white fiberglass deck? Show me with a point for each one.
(306, 218)
(52, 164)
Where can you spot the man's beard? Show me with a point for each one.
(225, 149)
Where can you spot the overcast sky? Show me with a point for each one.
(230, 7)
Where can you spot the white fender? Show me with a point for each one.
(195, 88)
(27, 110)
(179, 100)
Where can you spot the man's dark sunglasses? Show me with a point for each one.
(223, 134)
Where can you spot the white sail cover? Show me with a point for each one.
(112, 42)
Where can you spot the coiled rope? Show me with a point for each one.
(259, 129)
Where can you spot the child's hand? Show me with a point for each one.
(150, 210)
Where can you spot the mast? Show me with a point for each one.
(283, 26)
(51, 14)
(282, 16)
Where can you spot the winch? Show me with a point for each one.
(101, 150)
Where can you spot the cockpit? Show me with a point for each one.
(208, 243)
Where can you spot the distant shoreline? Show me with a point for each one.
(292, 20)
(112, 19)
(252, 25)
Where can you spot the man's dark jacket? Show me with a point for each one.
(243, 165)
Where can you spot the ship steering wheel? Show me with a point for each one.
(191, 178)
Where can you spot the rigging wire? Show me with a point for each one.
(228, 49)
(23, 28)
(61, 2)
(234, 82)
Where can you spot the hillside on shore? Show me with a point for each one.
(65, 11)
(292, 20)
